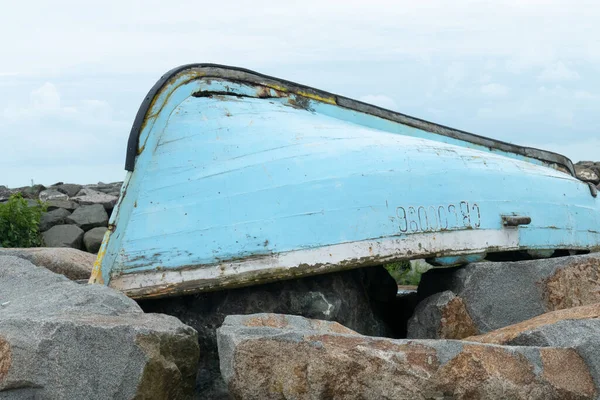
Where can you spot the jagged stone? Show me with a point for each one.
(89, 216)
(52, 194)
(93, 239)
(63, 236)
(63, 340)
(72, 263)
(441, 316)
(32, 203)
(586, 174)
(70, 189)
(54, 217)
(498, 294)
(268, 356)
(107, 188)
(66, 204)
(89, 197)
(594, 166)
(30, 192)
(577, 328)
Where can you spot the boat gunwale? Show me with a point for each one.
(245, 75)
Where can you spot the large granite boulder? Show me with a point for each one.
(89, 216)
(577, 328)
(52, 218)
(357, 298)
(89, 197)
(113, 189)
(62, 340)
(92, 239)
(63, 236)
(587, 174)
(52, 194)
(269, 356)
(66, 204)
(70, 189)
(497, 294)
(593, 165)
(72, 263)
(441, 316)
(30, 192)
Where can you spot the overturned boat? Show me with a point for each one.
(237, 178)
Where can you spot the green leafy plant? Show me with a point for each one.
(407, 273)
(20, 223)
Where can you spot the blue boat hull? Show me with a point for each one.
(238, 181)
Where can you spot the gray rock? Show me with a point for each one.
(441, 316)
(89, 216)
(54, 217)
(89, 196)
(5, 193)
(30, 192)
(577, 328)
(93, 239)
(66, 204)
(356, 298)
(70, 189)
(273, 356)
(52, 194)
(498, 294)
(63, 236)
(72, 263)
(32, 203)
(594, 166)
(108, 188)
(62, 340)
(586, 174)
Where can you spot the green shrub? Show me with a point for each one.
(406, 273)
(19, 223)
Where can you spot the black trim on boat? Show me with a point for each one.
(245, 75)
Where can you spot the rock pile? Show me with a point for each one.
(478, 298)
(361, 299)
(520, 330)
(77, 215)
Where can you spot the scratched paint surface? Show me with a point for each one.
(224, 178)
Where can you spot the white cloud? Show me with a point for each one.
(165, 34)
(46, 102)
(46, 97)
(455, 74)
(380, 100)
(494, 90)
(584, 95)
(558, 72)
(485, 78)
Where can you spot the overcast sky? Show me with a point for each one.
(74, 73)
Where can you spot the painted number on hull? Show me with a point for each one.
(439, 218)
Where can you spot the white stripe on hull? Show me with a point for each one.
(265, 268)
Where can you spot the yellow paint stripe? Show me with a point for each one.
(96, 276)
(329, 99)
